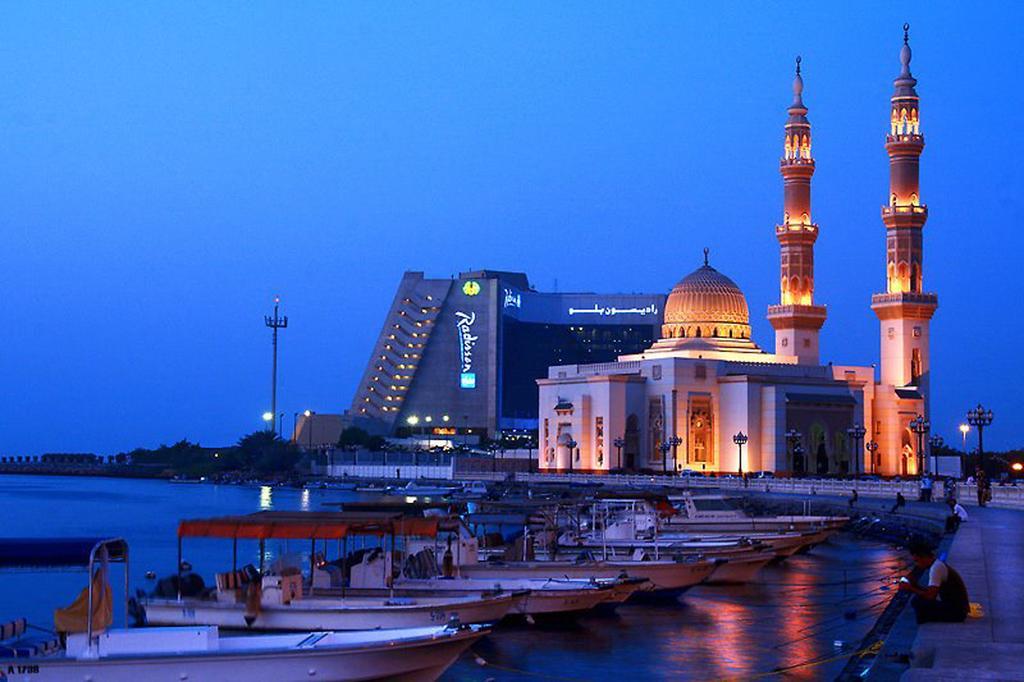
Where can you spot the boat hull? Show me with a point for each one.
(740, 569)
(424, 660)
(665, 577)
(321, 614)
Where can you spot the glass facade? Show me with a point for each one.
(529, 348)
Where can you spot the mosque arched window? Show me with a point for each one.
(892, 199)
(914, 200)
(698, 332)
(714, 333)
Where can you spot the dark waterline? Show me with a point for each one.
(812, 607)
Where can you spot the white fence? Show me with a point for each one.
(1002, 496)
(402, 471)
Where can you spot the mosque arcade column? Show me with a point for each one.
(796, 319)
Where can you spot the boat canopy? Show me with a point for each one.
(57, 552)
(288, 525)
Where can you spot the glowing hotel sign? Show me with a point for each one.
(605, 311)
(467, 341)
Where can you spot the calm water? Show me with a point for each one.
(811, 608)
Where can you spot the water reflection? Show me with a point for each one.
(304, 500)
(791, 616)
(266, 497)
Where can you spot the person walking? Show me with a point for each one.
(983, 486)
(943, 596)
(900, 503)
(926, 488)
(854, 496)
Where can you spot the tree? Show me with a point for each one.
(353, 436)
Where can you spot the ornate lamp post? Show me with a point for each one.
(664, 447)
(872, 447)
(857, 434)
(793, 439)
(675, 442)
(619, 443)
(740, 439)
(571, 444)
(935, 442)
(979, 418)
(920, 426)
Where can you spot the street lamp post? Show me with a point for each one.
(857, 434)
(675, 442)
(268, 419)
(309, 426)
(740, 439)
(964, 429)
(871, 446)
(793, 439)
(619, 443)
(979, 418)
(920, 426)
(571, 444)
(935, 442)
(664, 448)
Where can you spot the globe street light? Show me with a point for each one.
(857, 434)
(619, 443)
(571, 444)
(979, 417)
(964, 428)
(871, 446)
(664, 447)
(675, 442)
(740, 439)
(935, 442)
(920, 426)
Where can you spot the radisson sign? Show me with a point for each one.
(467, 341)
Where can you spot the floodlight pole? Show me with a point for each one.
(276, 322)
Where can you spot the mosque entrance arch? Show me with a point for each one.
(632, 438)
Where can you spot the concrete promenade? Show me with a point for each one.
(988, 551)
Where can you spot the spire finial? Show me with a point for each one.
(905, 52)
(706, 250)
(798, 65)
(906, 34)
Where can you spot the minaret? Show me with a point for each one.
(796, 319)
(905, 310)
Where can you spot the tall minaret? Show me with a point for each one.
(796, 319)
(905, 310)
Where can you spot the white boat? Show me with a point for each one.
(667, 578)
(713, 514)
(94, 651)
(200, 654)
(538, 597)
(332, 613)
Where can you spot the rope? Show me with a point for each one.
(483, 662)
(873, 649)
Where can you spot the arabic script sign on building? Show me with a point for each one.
(604, 311)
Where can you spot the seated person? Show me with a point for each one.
(943, 599)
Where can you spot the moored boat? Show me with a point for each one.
(92, 650)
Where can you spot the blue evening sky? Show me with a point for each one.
(166, 168)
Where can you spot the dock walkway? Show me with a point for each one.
(988, 551)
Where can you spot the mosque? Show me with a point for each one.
(705, 397)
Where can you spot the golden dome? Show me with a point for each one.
(706, 304)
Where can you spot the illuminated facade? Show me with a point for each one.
(679, 403)
(461, 356)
